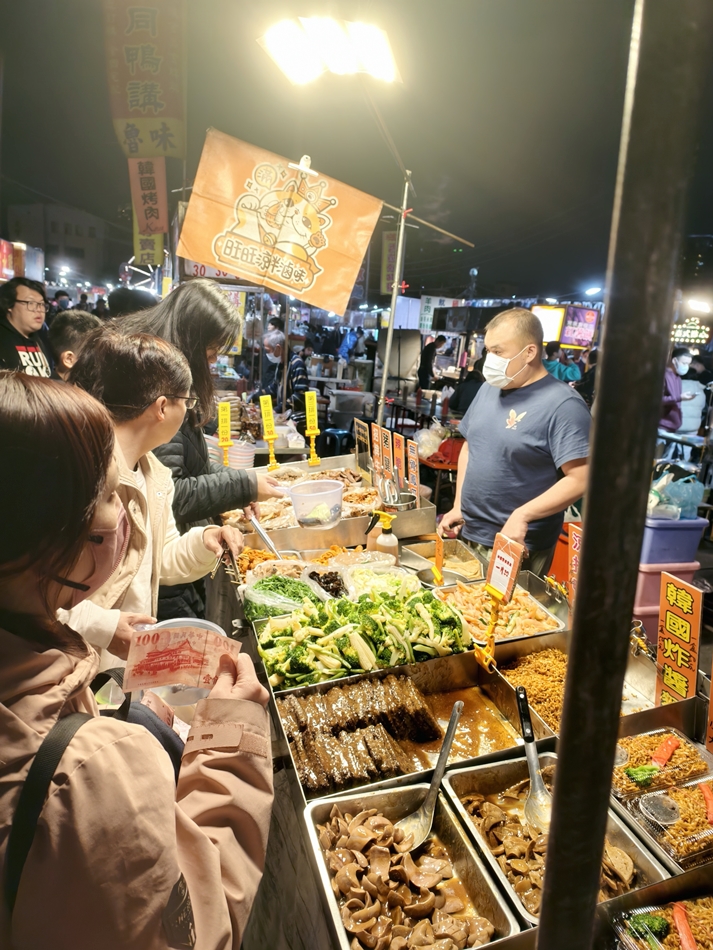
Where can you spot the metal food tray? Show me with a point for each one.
(396, 804)
(639, 682)
(438, 675)
(496, 777)
(705, 756)
(561, 624)
(348, 532)
(416, 555)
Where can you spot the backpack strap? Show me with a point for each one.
(32, 799)
(101, 679)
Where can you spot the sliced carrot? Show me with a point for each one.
(665, 751)
(680, 919)
(707, 793)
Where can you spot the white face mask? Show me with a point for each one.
(681, 368)
(273, 358)
(495, 369)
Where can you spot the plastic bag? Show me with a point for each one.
(428, 440)
(267, 603)
(686, 494)
(380, 578)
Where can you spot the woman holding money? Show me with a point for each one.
(200, 320)
(122, 858)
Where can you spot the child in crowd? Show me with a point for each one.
(145, 383)
(123, 857)
(66, 337)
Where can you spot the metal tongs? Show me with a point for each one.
(265, 537)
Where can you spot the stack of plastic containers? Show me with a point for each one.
(668, 546)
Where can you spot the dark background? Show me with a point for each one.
(508, 116)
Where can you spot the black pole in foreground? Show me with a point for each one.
(670, 53)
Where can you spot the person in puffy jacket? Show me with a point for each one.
(122, 858)
(200, 320)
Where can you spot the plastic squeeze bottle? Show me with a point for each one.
(386, 542)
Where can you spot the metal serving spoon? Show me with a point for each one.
(538, 804)
(419, 822)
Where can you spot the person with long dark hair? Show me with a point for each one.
(199, 319)
(121, 858)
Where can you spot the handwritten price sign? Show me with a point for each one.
(504, 567)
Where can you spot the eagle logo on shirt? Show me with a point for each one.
(513, 419)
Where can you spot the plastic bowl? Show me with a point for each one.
(317, 504)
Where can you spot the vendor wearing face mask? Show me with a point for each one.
(673, 395)
(525, 459)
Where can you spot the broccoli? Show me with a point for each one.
(331, 626)
(274, 657)
(650, 927)
(299, 659)
(428, 598)
(641, 775)
(348, 653)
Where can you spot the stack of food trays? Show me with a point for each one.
(380, 895)
(489, 799)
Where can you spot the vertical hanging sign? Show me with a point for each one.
(679, 633)
(363, 447)
(148, 248)
(387, 452)
(574, 547)
(147, 177)
(388, 261)
(376, 446)
(224, 440)
(400, 459)
(414, 473)
(144, 60)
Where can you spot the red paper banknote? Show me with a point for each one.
(185, 655)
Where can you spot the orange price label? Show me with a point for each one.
(387, 452)
(376, 446)
(679, 633)
(414, 476)
(504, 567)
(574, 548)
(400, 458)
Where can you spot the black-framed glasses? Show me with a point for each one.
(34, 306)
(190, 401)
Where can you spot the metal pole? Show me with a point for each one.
(671, 46)
(394, 296)
(286, 348)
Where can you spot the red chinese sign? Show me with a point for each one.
(376, 446)
(679, 632)
(144, 53)
(147, 177)
(400, 459)
(574, 549)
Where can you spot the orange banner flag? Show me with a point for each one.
(147, 177)
(298, 233)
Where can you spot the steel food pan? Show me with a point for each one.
(439, 675)
(639, 682)
(497, 776)
(417, 555)
(396, 804)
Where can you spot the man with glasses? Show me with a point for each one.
(23, 307)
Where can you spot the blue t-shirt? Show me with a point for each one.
(517, 441)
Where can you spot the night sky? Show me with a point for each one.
(508, 116)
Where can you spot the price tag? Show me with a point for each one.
(387, 452)
(224, 424)
(400, 459)
(376, 446)
(574, 547)
(414, 473)
(679, 633)
(268, 420)
(311, 413)
(363, 447)
(504, 567)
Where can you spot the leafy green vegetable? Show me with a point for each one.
(641, 775)
(650, 927)
(287, 587)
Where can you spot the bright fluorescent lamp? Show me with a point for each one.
(700, 306)
(551, 299)
(591, 291)
(364, 306)
(304, 50)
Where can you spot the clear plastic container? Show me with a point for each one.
(677, 818)
(380, 578)
(654, 927)
(656, 759)
(317, 504)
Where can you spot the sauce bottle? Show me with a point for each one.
(386, 542)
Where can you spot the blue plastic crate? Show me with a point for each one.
(667, 541)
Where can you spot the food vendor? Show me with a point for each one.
(525, 459)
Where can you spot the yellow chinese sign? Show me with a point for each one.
(311, 412)
(268, 419)
(144, 52)
(254, 216)
(679, 631)
(148, 248)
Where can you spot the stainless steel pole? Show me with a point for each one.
(394, 296)
(671, 47)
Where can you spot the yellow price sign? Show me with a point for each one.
(268, 420)
(224, 424)
(311, 412)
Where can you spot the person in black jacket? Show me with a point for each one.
(23, 308)
(466, 391)
(201, 321)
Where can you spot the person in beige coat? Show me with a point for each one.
(122, 858)
(145, 383)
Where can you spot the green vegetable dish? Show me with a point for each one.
(328, 640)
(651, 928)
(275, 596)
